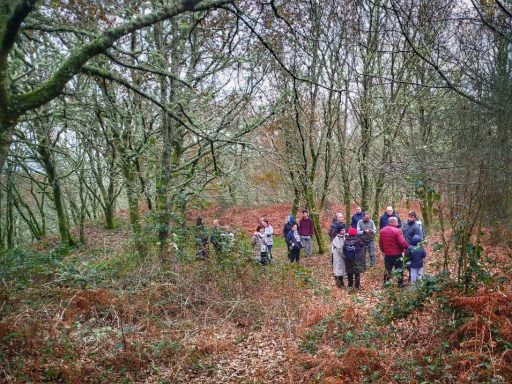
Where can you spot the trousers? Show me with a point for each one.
(308, 245)
(394, 262)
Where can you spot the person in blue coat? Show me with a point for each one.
(383, 222)
(356, 217)
(412, 227)
(290, 220)
(416, 255)
(294, 243)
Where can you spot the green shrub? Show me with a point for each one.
(396, 303)
(24, 267)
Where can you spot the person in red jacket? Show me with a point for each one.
(392, 244)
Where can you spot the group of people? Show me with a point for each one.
(263, 240)
(297, 236)
(349, 248)
(221, 238)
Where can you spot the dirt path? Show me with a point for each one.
(269, 355)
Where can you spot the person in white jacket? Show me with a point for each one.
(259, 243)
(269, 233)
(338, 262)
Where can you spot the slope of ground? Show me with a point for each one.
(103, 315)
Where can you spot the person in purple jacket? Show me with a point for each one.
(306, 232)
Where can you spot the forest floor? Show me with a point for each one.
(103, 315)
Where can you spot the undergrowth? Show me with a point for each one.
(396, 303)
(113, 317)
(105, 315)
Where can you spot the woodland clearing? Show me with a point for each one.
(102, 315)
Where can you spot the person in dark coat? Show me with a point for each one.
(201, 239)
(337, 221)
(290, 220)
(356, 217)
(412, 227)
(355, 261)
(294, 243)
(383, 222)
(416, 255)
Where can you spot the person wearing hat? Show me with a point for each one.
(416, 255)
(355, 262)
(338, 262)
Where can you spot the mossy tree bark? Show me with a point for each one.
(166, 130)
(10, 214)
(12, 15)
(132, 195)
(129, 171)
(45, 153)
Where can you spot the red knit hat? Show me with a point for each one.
(352, 232)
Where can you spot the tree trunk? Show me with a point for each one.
(108, 211)
(65, 236)
(7, 125)
(53, 179)
(446, 244)
(133, 205)
(143, 186)
(10, 213)
(110, 202)
(364, 151)
(164, 178)
(315, 217)
(83, 203)
(379, 185)
(2, 224)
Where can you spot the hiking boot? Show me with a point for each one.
(339, 281)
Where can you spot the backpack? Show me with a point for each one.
(350, 252)
(297, 245)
